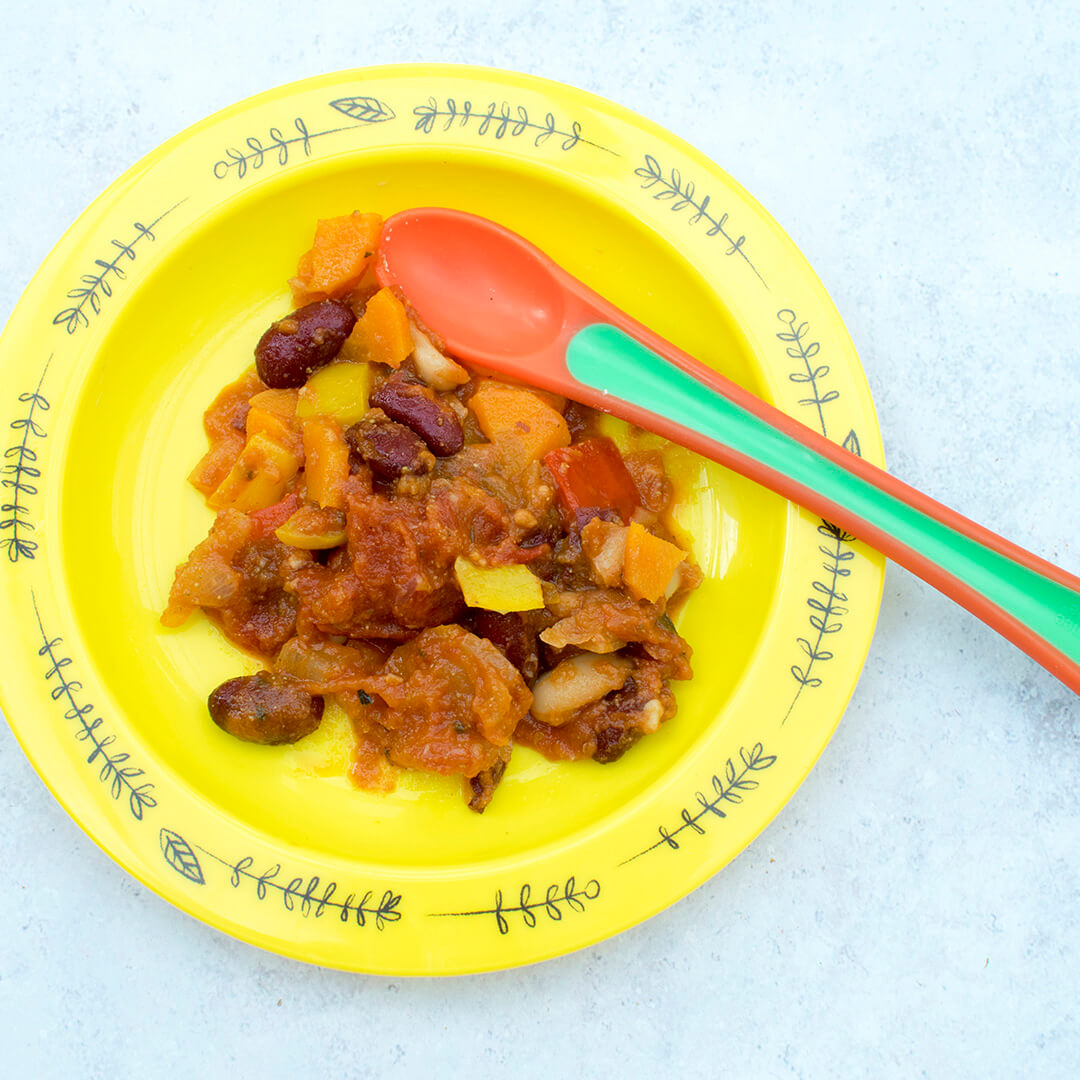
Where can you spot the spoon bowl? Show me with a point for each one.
(511, 282)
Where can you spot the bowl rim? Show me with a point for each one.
(84, 802)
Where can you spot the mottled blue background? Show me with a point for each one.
(914, 909)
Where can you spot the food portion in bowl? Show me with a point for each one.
(459, 563)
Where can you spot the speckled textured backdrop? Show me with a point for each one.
(915, 910)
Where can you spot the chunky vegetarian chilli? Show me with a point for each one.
(459, 563)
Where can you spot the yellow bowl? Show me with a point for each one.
(153, 300)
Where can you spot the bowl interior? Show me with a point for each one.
(128, 516)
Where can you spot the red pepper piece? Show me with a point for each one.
(273, 517)
(592, 473)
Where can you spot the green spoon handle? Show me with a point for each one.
(1031, 602)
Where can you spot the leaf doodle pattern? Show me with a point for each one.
(21, 473)
(827, 606)
(828, 603)
(95, 287)
(798, 348)
(568, 894)
(680, 194)
(364, 110)
(500, 120)
(180, 856)
(114, 768)
(255, 150)
(727, 788)
(312, 896)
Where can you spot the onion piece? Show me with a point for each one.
(436, 369)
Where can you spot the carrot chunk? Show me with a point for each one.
(649, 564)
(326, 462)
(342, 250)
(518, 419)
(386, 328)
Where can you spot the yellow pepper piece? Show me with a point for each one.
(312, 529)
(338, 390)
(259, 477)
(499, 588)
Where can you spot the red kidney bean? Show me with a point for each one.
(416, 406)
(303, 342)
(512, 636)
(390, 448)
(612, 742)
(265, 708)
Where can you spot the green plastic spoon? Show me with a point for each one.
(500, 304)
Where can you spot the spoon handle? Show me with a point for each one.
(1033, 603)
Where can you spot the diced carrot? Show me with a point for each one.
(517, 418)
(326, 462)
(279, 402)
(274, 412)
(592, 473)
(381, 335)
(556, 401)
(341, 253)
(224, 423)
(649, 563)
(275, 428)
(386, 324)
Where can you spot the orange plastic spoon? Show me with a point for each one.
(502, 305)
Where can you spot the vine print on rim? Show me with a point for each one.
(115, 771)
(829, 604)
(22, 474)
(501, 120)
(554, 901)
(364, 110)
(261, 846)
(308, 896)
(679, 195)
(96, 286)
(726, 789)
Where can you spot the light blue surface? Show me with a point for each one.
(915, 910)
